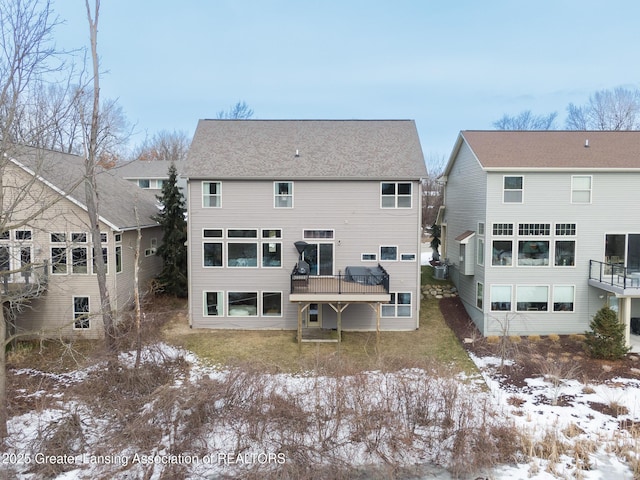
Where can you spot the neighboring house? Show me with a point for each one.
(150, 174)
(539, 228)
(55, 249)
(344, 193)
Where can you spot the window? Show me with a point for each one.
(399, 305)
(23, 235)
(408, 257)
(213, 304)
(565, 253)
(563, 297)
(480, 251)
(388, 253)
(395, 195)
(105, 259)
(242, 254)
(369, 257)
(537, 229)
(58, 260)
(58, 237)
(503, 229)
(79, 237)
(533, 253)
(500, 298)
(143, 183)
(81, 313)
(581, 188)
(118, 237)
(211, 194)
(565, 229)
(319, 256)
(240, 233)
(283, 194)
(480, 228)
(212, 233)
(479, 295)
(272, 254)
(277, 233)
(532, 298)
(5, 235)
(502, 253)
(5, 258)
(79, 260)
(317, 234)
(243, 304)
(118, 258)
(512, 192)
(212, 254)
(272, 304)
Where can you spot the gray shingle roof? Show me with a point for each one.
(148, 169)
(117, 196)
(560, 149)
(338, 149)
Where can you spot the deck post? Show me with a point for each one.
(378, 324)
(299, 326)
(339, 323)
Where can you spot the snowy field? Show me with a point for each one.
(231, 446)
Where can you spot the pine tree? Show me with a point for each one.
(173, 278)
(607, 336)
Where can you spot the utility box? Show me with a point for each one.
(440, 272)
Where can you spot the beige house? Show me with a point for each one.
(47, 273)
(305, 224)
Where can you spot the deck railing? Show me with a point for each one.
(342, 283)
(30, 282)
(614, 274)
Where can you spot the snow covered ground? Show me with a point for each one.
(582, 436)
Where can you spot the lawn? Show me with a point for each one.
(278, 351)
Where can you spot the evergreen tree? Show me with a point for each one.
(173, 278)
(607, 336)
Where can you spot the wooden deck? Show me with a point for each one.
(321, 285)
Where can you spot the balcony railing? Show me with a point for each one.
(614, 274)
(28, 282)
(355, 280)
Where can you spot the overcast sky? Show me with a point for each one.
(448, 65)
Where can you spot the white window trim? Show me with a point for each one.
(261, 254)
(67, 251)
(88, 257)
(261, 304)
(73, 309)
(565, 235)
(258, 296)
(512, 190)
(534, 285)
(533, 239)
(118, 247)
(388, 246)
(258, 253)
(573, 177)
(219, 195)
(396, 304)
(480, 251)
(106, 265)
(410, 259)
(220, 306)
(513, 249)
(479, 286)
(575, 250)
(511, 309)
(277, 195)
(396, 196)
(213, 240)
(322, 239)
(573, 303)
(374, 259)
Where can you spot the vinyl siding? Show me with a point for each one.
(466, 200)
(350, 208)
(547, 199)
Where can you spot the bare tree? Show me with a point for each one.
(432, 190)
(526, 120)
(164, 145)
(239, 111)
(92, 145)
(27, 55)
(617, 109)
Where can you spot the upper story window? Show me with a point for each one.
(144, 183)
(566, 229)
(581, 188)
(395, 194)
(535, 229)
(283, 194)
(211, 194)
(502, 229)
(513, 189)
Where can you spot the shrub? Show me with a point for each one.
(607, 336)
(554, 338)
(534, 338)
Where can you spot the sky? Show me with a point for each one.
(449, 66)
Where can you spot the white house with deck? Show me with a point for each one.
(305, 224)
(540, 230)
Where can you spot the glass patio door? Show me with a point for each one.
(319, 256)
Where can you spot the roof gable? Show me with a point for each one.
(63, 172)
(306, 149)
(550, 150)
